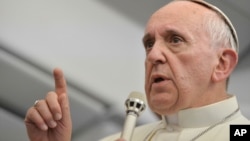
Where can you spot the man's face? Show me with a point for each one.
(179, 58)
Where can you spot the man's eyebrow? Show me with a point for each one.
(167, 31)
(172, 31)
(146, 37)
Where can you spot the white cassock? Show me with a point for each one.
(207, 123)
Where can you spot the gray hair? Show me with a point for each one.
(219, 31)
(219, 26)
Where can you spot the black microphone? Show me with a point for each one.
(135, 104)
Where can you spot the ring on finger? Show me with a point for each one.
(36, 103)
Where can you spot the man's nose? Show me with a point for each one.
(157, 54)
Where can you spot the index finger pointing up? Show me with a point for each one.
(60, 82)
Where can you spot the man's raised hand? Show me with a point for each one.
(49, 119)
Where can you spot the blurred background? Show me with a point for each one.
(98, 45)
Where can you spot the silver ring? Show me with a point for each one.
(35, 103)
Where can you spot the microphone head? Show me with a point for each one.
(135, 103)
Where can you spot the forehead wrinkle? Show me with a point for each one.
(186, 9)
(190, 13)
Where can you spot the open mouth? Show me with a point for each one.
(158, 80)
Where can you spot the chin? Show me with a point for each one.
(162, 99)
(162, 107)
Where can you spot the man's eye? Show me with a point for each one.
(149, 44)
(176, 39)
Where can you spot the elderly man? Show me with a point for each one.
(191, 50)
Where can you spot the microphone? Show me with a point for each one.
(135, 104)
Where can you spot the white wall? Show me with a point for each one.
(96, 47)
(99, 49)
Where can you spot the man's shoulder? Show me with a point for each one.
(139, 132)
(240, 120)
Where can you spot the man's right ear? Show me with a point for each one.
(228, 60)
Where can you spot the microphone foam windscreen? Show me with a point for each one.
(137, 95)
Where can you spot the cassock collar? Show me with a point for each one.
(203, 116)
